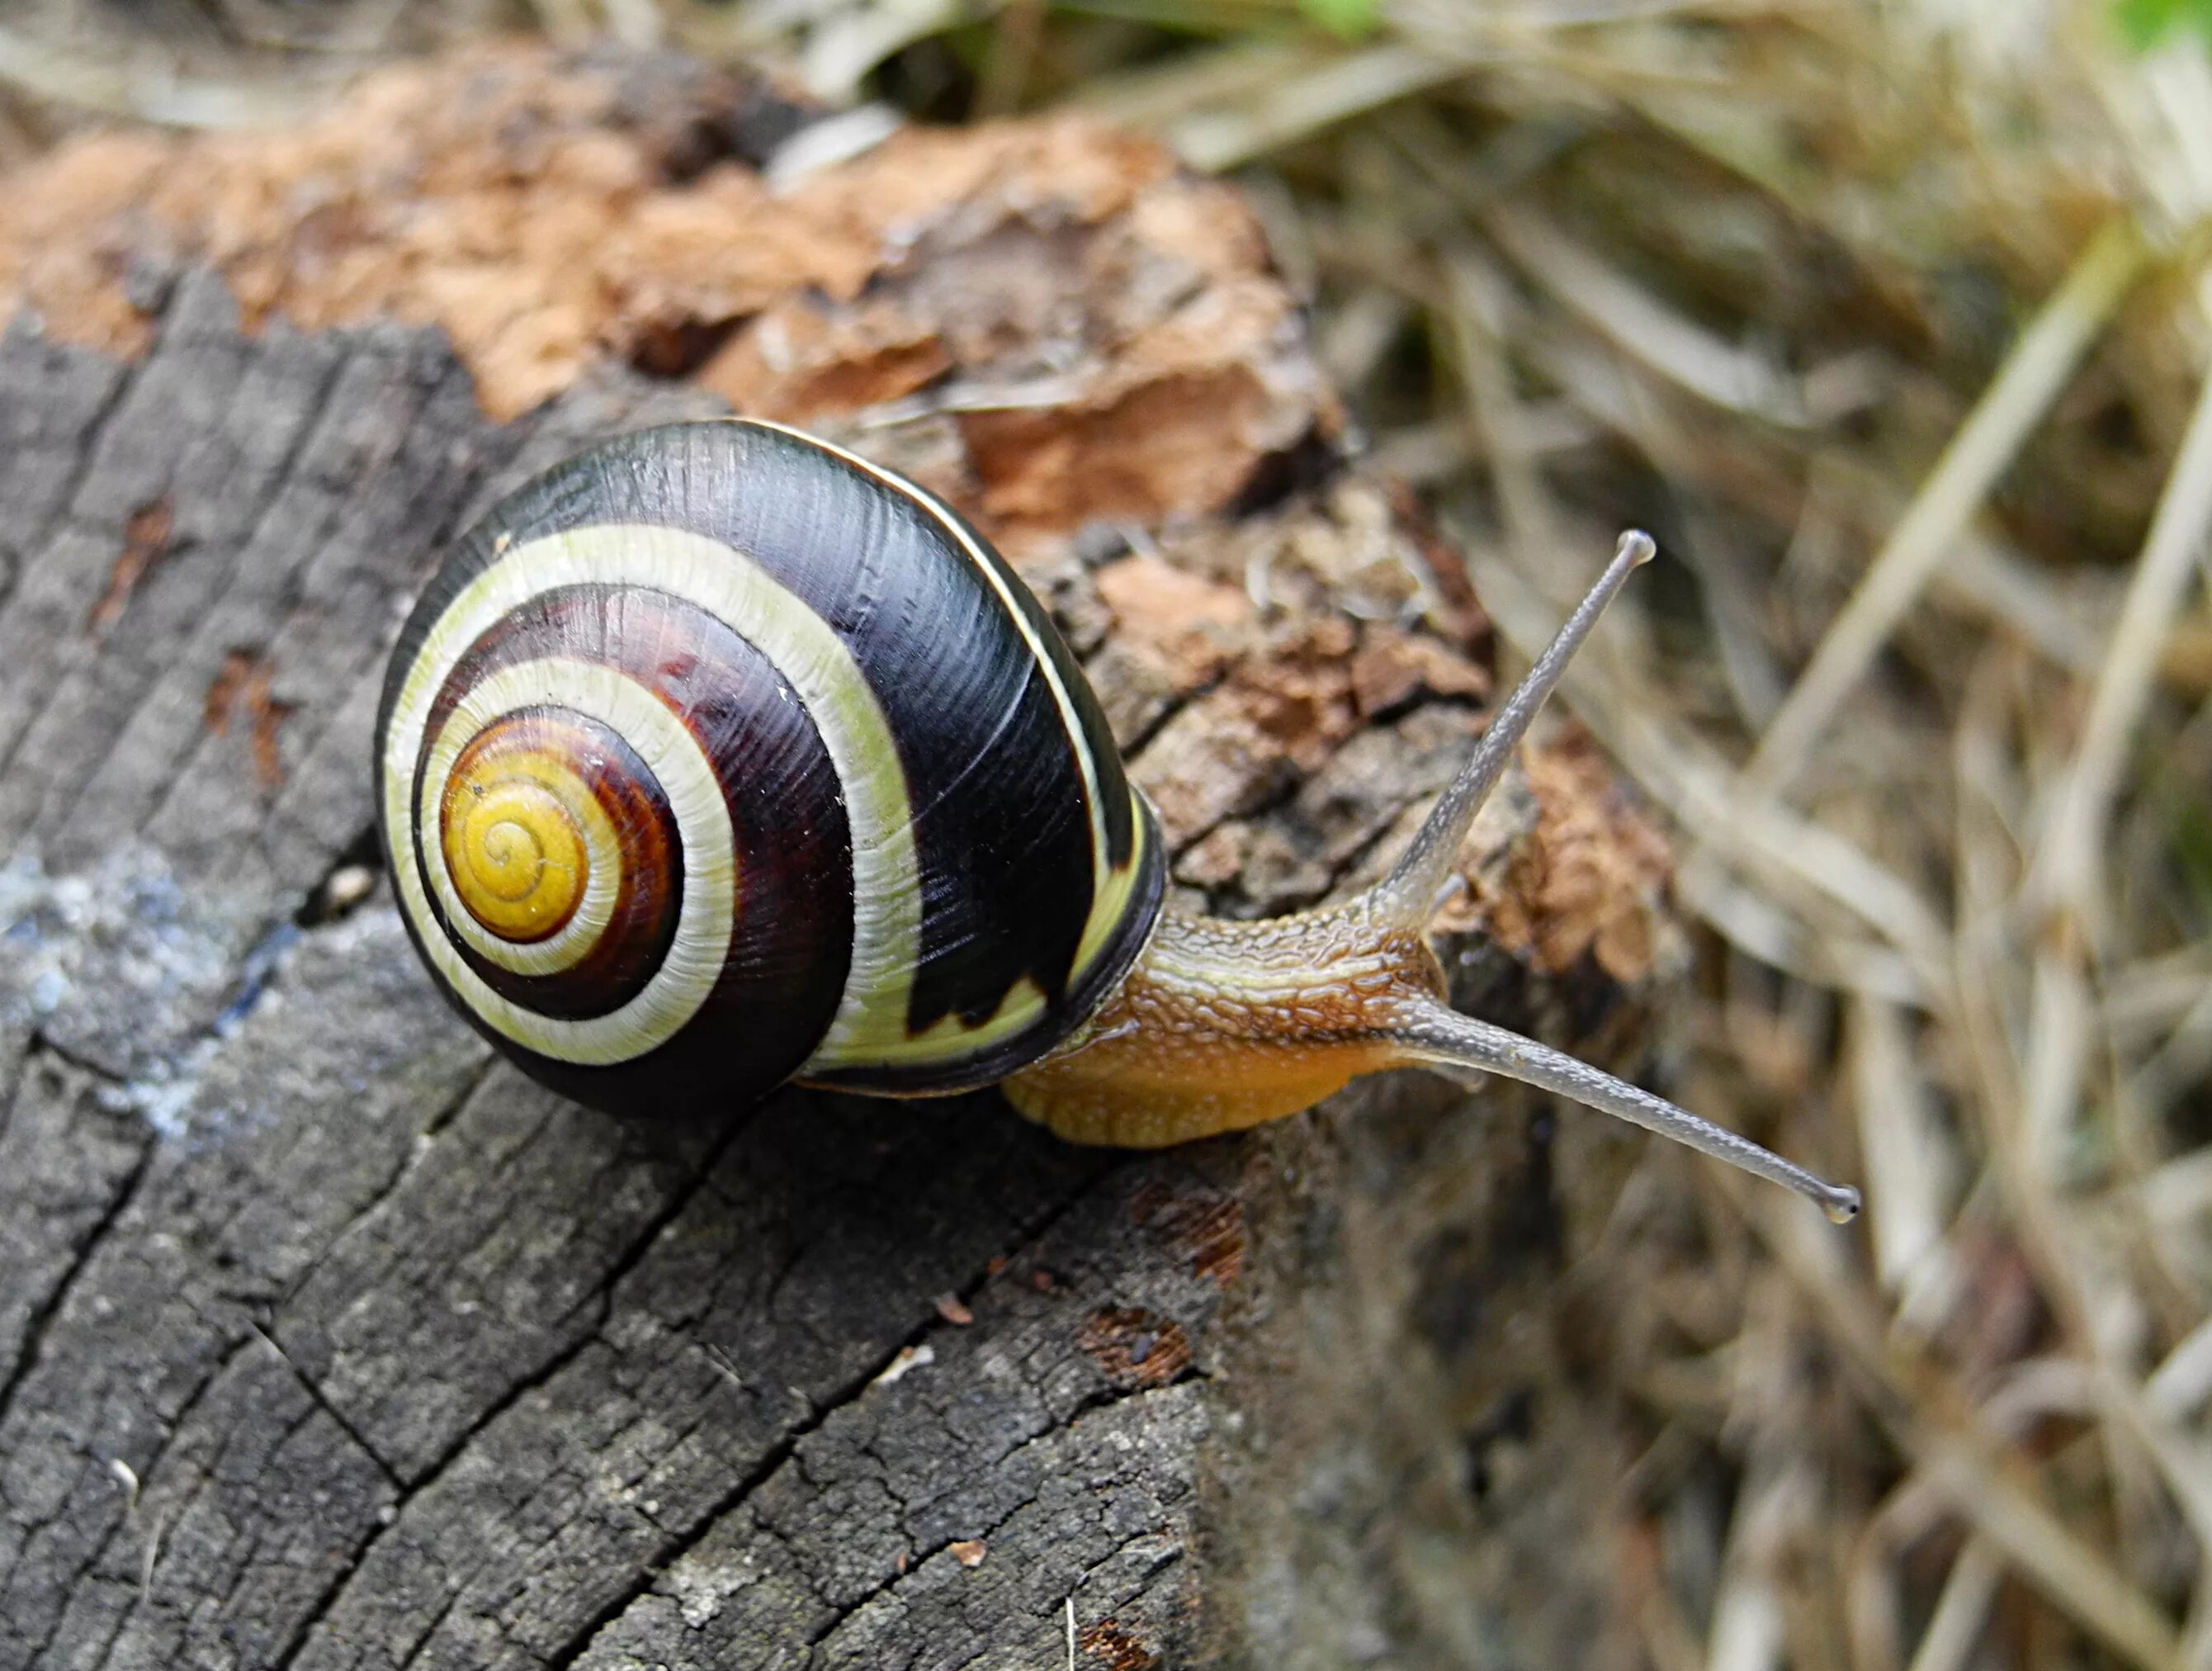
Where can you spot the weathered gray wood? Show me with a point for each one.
(325, 1341)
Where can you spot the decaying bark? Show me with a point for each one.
(325, 1341)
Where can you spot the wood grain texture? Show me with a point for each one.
(325, 1341)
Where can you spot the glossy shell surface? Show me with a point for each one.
(717, 756)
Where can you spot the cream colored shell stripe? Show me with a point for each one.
(1111, 890)
(869, 1027)
(630, 712)
(695, 952)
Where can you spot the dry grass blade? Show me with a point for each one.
(1733, 378)
(2038, 367)
(148, 87)
(1911, 1170)
(2071, 868)
(1482, 321)
(2068, 1571)
(846, 46)
(1962, 1610)
(2180, 1386)
(1307, 101)
(1927, 1418)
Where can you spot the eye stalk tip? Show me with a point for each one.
(1637, 547)
(1841, 1202)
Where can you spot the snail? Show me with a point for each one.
(717, 758)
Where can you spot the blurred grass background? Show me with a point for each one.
(1892, 321)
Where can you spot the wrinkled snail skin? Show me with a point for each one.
(1226, 1025)
(717, 758)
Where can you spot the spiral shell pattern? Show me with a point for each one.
(717, 757)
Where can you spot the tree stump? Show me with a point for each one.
(327, 1341)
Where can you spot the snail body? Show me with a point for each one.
(717, 757)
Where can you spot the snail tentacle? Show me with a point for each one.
(1436, 1033)
(1416, 885)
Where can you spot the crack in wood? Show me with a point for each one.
(773, 1460)
(370, 357)
(321, 904)
(1053, 1437)
(169, 349)
(98, 1554)
(89, 448)
(316, 1396)
(445, 1115)
(174, 1514)
(602, 1293)
(31, 1354)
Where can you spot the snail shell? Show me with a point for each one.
(717, 757)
